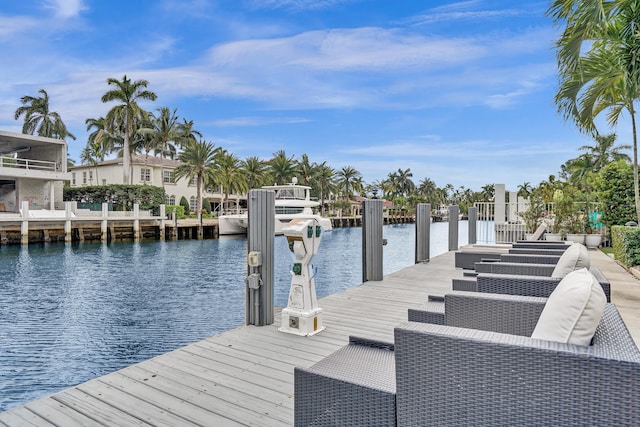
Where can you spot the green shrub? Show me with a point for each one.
(185, 203)
(179, 211)
(206, 205)
(626, 244)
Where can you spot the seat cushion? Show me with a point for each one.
(575, 257)
(573, 311)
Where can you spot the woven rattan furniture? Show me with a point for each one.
(467, 257)
(451, 375)
(479, 367)
(355, 386)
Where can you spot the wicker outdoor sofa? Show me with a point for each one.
(466, 257)
(477, 367)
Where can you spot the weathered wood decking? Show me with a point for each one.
(245, 376)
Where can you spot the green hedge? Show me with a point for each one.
(626, 244)
(122, 196)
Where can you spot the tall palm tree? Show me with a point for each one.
(255, 170)
(127, 114)
(598, 65)
(405, 185)
(197, 161)
(345, 178)
(229, 174)
(163, 130)
(304, 170)
(428, 189)
(187, 133)
(605, 151)
(99, 135)
(283, 168)
(93, 153)
(323, 177)
(39, 119)
(524, 190)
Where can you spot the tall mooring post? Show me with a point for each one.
(454, 213)
(259, 280)
(473, 224)
(372, 240)
(423, 232)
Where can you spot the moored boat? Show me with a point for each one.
(292, 201)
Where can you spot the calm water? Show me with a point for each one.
(69, 313)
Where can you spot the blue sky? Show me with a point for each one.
(459, 92)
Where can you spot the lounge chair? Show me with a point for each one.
(529, 278)
(479, 367)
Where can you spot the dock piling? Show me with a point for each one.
(260, 236)
(473, 223)
(423, 232)
(454, 212)
(372, 241)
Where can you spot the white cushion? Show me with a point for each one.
(573, 311)
(575, 257)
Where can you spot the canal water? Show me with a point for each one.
(72, 312)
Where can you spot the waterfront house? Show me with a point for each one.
(32, 169)
(147, 170)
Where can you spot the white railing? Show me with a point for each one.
(512, 227)
(20, 163)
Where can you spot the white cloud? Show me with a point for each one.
(66, 8)
(14, 25)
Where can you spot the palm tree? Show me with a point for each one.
(524, 190)
(93, 153)
(405, 185)
(323, 177)
(428, 189)
(598, 65)
(255, 171)
(107, 141)
(38, 119)
(345, 178)
(283, 168)
(229, 174)
(197, 161)
(187, 133)
(489, 190)
(127, 114)
(605, 151)
(163, 130)
(304, 170)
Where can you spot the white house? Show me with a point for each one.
(147, 170)
(33, 169)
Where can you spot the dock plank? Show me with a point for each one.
(245, 376)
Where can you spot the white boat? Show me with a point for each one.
(292, 201)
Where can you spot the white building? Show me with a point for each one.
(33, 169)
(147, 170)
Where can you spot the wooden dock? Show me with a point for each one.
(245, 376)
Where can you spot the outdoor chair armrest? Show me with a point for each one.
(353, 386)
(431, 312)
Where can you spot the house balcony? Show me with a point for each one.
(11, 167)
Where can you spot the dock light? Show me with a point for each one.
(302, 316)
